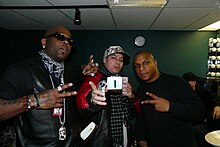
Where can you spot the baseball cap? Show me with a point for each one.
(117, 49)
(189, 76)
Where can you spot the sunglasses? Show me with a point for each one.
(61, 37)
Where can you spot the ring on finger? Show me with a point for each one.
(97, 64)
(59, 88)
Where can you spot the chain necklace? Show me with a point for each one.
(62, 129)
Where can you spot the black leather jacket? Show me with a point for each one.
(39, 127)
(101, 137)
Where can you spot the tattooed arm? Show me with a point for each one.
(48, 99)
(10, 108)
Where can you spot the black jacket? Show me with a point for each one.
(101, 137)
(39, 127)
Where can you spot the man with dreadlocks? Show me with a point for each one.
(110, 111)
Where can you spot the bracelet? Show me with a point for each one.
(26, 103)
(36, 100)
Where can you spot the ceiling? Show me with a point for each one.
(175, 15)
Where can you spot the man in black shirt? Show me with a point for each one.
(168, 106)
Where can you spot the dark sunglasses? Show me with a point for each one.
(61, 37)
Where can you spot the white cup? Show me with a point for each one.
(213, 57)
(213, 49)
(218, 74)
(212, 65)
(212, 74)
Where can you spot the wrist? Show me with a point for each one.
(30, 102)
(26, 103)
(36, 101)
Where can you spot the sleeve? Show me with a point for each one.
(186, 105)
(83, 94)
(13, 84)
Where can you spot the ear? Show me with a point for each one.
(43, 41)
(155, 61)
(104, 60)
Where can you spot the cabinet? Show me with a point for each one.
(214, 58)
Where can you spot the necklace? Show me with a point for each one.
(62, 129)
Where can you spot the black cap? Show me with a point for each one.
(189, 76)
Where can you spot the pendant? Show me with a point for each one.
(57, 112)
(62, 133)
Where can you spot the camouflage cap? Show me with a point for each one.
(117, 49)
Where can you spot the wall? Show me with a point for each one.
(175, 51)
(218, 33)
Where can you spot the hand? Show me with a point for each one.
(160, 104)
(142, 143)
(127, 90)
(54, 97)
(91, 68)
(98, 97)
(216, 112)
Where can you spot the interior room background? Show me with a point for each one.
(175, 51)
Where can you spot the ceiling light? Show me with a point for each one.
(212, 27)
(137, 3)
(77, 19)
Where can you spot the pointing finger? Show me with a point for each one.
(63, 87)
(153, 96)
(92, 85)
(91, 61)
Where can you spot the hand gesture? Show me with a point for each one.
(98, 97)
(54, 97)
(160, 104)
(91, 68)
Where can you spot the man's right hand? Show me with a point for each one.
(98, 97)
(53, 98)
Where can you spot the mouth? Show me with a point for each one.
(116, 68)
(143, 74)
(63, 50)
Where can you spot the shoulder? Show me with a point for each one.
(174, 81)
(23, 65)
(171, 77)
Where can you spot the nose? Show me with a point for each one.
(118, 61)
(65, 42)
(141, 67)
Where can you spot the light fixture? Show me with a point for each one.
(77, 19)
(137, 3)
(212, 27)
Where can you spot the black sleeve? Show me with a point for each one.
(14, 84)
(186, 104)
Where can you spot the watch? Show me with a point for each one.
(139, 41)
